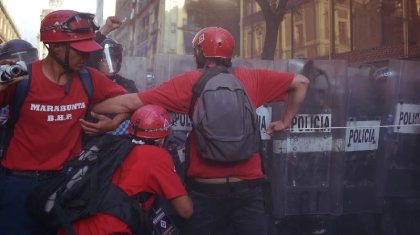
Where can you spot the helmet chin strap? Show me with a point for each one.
(64, 64)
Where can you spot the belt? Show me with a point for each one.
(31, 174)
(224, 187)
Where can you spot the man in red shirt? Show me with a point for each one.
(147, 168)
(48, 131)
(225, 198)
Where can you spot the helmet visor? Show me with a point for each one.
(110, 61)
(28, 56)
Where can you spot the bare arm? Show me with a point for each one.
(124, 105)
(297, 93)
(119, 104)
(183, 206)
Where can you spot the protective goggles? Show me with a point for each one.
(78, 23)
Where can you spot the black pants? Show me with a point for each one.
(233, 208)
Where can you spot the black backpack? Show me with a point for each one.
(85, 188)
(22, 88)
(223, 118)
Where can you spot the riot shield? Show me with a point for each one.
(401, 143)
(275, 65)
(303, 169)
(135, 68)
(400, 147)
(238, 62)
(168, 65)
(362, 163)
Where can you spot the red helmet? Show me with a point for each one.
(215, 42)
(70, 26)
(150, 122)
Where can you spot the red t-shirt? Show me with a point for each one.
(146, 169)
(262, 86)
(48, 130)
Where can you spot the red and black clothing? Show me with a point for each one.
(48, 131)
(46, 135)
(147, 168)
(229, 208)
(262, 86)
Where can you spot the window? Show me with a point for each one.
(377, 23)
(342, 26)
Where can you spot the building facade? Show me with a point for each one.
(151, 27)
(8, 30)
(168, 26)
(360, 31)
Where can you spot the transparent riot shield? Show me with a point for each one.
(400, 148)
(135, 68)
(361, 161)
(401, 143)
(276, 65)
(238, 62)
(168, 65)
(303, 165)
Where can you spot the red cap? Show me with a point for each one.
(86, 46)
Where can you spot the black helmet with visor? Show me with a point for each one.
(109, 59)
(20, 50)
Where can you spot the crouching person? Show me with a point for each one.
(148, 169)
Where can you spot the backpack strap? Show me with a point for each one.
(87, 83)
(146, 224)
(117, 203)
(20, 94)
(201, 83)
(112, 145)
(63, 220)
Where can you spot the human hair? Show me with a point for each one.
(219, 61)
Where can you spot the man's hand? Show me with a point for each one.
(104, 123)
(297, 93)
(276, 126)
(112, 23)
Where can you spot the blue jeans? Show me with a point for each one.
(13, 216)
(241, 213)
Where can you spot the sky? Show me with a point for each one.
(26, 14)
